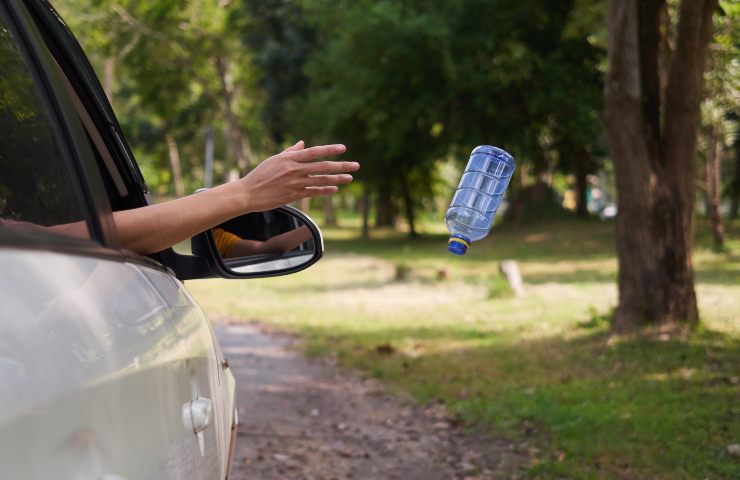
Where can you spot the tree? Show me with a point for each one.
(281, 39)
(379, 84)
(178, 68)
(533, 87)
(653, 91)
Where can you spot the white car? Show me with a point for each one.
(108, 367)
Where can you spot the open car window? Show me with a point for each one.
(38, 190)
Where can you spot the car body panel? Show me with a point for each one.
(98, 358)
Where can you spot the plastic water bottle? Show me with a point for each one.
(478, 197)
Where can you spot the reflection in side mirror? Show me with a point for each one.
(276, 242)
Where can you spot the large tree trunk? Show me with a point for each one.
(174, 155)
(653, 146)
(238, 143)
(713, 174)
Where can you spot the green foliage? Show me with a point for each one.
(165, 78)
(721, 108)
(281, 40)
(404, 84)
(378, 84)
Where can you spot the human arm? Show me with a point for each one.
(278, 244)
(281, 179)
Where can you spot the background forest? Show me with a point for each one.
(205, 90)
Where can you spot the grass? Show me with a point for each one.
(541, 370)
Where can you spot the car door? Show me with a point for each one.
(102, 353)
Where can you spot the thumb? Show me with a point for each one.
(297, 146)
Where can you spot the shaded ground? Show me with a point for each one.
(303, 419)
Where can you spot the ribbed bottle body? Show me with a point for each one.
(479, 194)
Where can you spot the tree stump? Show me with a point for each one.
(510, 269)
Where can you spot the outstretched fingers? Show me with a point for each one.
(326, 180)
(330, 168)
(319, 191)
(312, 153)
(298, 146)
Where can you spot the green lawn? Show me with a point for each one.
(541, 370)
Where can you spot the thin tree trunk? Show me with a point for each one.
(330, 213)
(247, 151)
(582, 161)
(654, 158)
(408, 202)
(109, 74)
(208, 169)
(304, 204)
(713, 174)
(174, 155)
(237, 144)
(365, 212)
(384, 211)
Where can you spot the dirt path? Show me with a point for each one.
(304, 419)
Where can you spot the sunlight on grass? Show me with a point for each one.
(541, 369)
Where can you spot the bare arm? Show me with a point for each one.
(277, 244)
(288, 241)
(281, 179)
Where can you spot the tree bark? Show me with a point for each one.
(238, 144)
(653, 146)
(713, 174)
(174, 155)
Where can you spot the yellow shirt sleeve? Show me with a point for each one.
(224, 241)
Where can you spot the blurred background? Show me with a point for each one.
(205, 90)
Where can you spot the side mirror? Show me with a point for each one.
(261, 244)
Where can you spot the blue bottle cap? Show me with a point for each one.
(458, 245)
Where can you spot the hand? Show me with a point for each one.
(292, 175)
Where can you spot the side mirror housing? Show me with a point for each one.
(261, 244)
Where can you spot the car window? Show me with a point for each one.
(37, 189)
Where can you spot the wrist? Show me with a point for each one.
(235, 198)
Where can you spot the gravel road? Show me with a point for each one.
(305, 419)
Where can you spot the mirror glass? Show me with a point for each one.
(264, 242)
